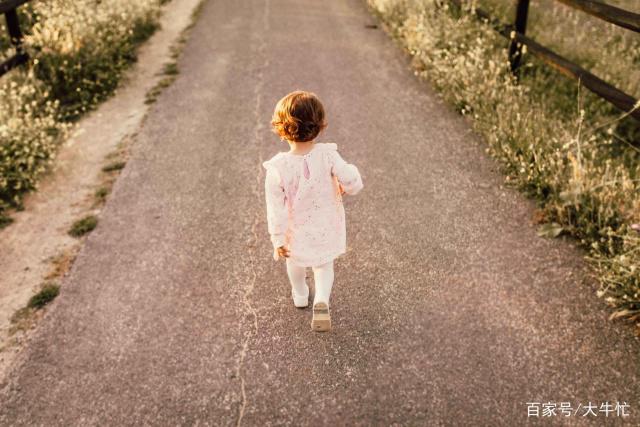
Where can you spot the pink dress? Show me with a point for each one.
(304, 204)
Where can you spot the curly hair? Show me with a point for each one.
(299, 117)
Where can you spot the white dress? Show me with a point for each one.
(304, 204)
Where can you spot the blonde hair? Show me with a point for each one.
(299, 117)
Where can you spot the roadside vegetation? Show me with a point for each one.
(170, 71)
(571, 151)
(47, 294)
(25, 318)
(79, 50)
(83, 226)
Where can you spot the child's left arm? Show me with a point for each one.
(277, 215)
(348, 175)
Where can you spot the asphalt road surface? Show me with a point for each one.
(447, 308)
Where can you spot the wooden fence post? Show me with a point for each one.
(515, 50)
(13, 25)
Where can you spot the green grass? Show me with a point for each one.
(83, 226)
(154, 93)
(47, 294)
(170, 72)
(171, 69)
(24, 318)
(81, 80)
(101, 194)
(114, 166)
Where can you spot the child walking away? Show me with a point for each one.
(304, 188)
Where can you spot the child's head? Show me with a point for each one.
(298, 117)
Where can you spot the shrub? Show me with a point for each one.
(79, 50)
(29, 135)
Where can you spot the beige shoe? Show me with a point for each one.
(321, 321)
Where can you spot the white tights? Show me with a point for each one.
(323, 278)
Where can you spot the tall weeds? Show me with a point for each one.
(563, 146)
(79, 50)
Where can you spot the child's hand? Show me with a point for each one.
(281, 252)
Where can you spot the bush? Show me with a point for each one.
(556, 143)
(29, 134)
(79, 50)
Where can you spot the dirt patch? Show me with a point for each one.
(37, 246)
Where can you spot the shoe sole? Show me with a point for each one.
(321, 321)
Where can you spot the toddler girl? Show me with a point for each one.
(304, 188)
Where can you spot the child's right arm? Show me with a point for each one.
(277, 215)
(347, 174)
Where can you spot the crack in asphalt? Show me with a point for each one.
(252, 242)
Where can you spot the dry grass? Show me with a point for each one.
(565, 147)
(610, 52)
(61, 264)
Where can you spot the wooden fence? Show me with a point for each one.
(8, 8)
(516, 33)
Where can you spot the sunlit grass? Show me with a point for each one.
(79, 50)
(609, 51)
(560, 144)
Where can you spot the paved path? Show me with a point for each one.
(447, 308)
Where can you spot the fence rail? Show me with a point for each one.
(615, 15)
(8, 8)
(516, 33)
